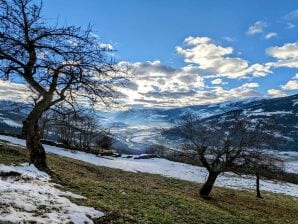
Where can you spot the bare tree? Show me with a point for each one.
(75, 129)
(260, 163)
(59, 64)
(224, 144)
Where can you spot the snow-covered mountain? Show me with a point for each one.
(139, 127)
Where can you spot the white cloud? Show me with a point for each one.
(289, 50)
(229, 39)
(289, 63)
(216, 81)
(217, 59)
(218, 94)
(251, 85)
(287, 55)
(276, 93)
(291, 85)
(106, 46)
(259, 70)
(197, 40)
(290, 25)
(270, 35)
(157, 85)
(256, 28)
(14, 91)
(292, 15)
(155, 82)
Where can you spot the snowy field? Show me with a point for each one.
(291, 160)
(168, 168)
(30, 197)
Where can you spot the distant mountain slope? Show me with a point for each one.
(284, 110)
(11, 116)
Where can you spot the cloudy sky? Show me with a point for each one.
(189, 52)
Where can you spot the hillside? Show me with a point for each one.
(127, 197)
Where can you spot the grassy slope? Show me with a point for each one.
(146, 198)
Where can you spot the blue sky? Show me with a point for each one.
(191, 51)
(150, 29)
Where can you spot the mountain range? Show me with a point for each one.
(136, 128)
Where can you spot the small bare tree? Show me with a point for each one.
(59, 64)
(224, 144)
(260, 163)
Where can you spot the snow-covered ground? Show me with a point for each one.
(168, 168)
(290, 160)
(30, 197)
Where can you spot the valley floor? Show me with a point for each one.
(132, 197)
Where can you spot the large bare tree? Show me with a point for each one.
(224, 144)
(58, 63)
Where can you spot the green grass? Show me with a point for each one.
(145, 198)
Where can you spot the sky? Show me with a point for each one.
(190, 52)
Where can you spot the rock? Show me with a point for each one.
(107, 153)
(146, 156)
(9, 174)
(116, 155)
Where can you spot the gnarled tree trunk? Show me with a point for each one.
(207, 187)
(31, 133)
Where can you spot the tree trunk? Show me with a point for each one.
(37, 154)
(258, 185)
(31, 133)
(207, 187)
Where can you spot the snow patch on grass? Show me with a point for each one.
(30, 197)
